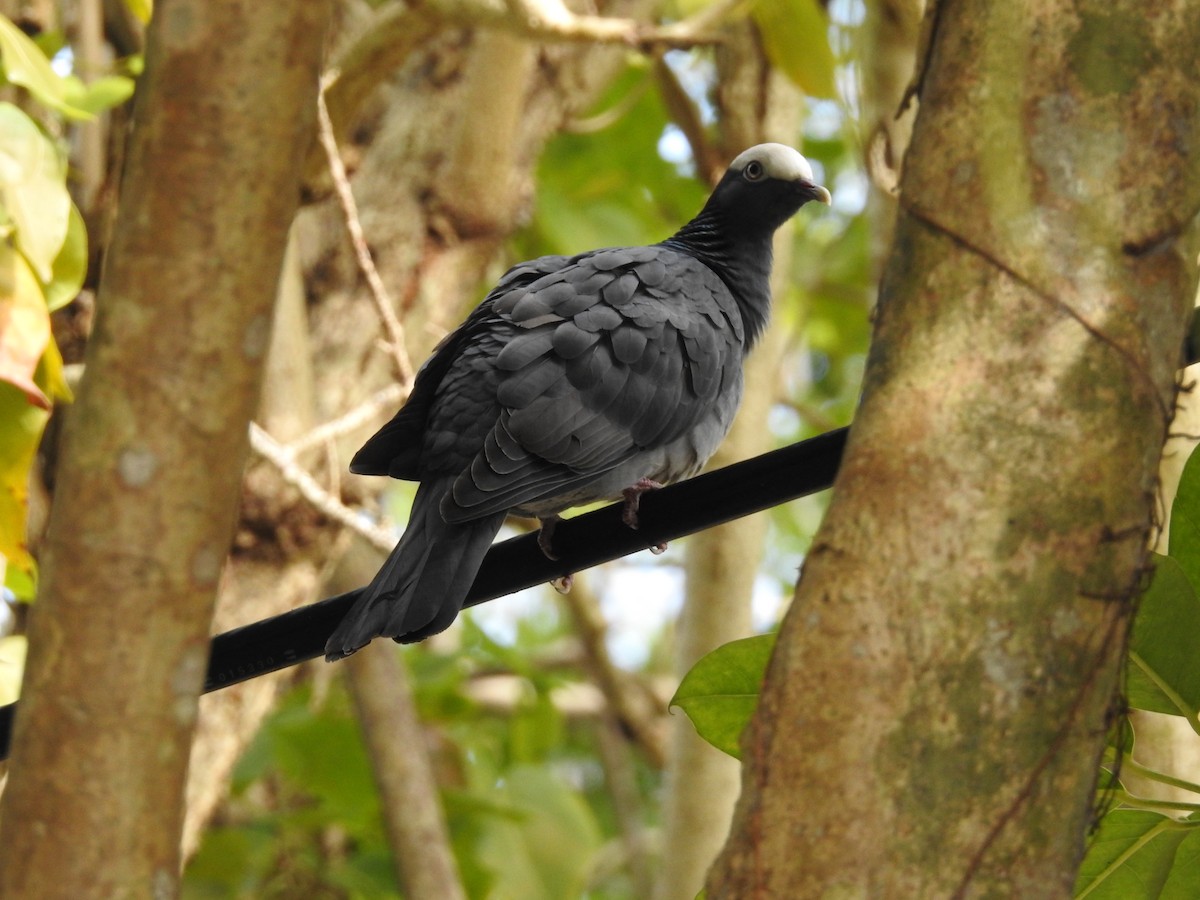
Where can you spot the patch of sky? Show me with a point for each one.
(63, 62)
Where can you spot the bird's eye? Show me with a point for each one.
(754, 171)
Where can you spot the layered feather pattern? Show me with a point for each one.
(574, 379)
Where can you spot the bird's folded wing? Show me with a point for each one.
(617, 354)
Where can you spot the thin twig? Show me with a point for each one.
(284, 460)
(620, 776)
(551, 20)
(685, 114)
(341, 184)
(384, 399)
(413, 817)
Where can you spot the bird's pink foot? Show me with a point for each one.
(633, 499)
(563, 583)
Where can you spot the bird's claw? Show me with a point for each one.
(633, 500)
(545, 538)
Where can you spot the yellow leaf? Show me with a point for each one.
(12, 667)
(141, 9)
(33, 190)
(24, 325)
(21, 426)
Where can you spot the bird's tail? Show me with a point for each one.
(421, 587)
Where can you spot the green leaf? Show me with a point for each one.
(70, 265)
(50, 376)
(721, 691)
(583, 199)
(21, 581)
(21, 425)
(1163, 672)
(547, 849)
(1184, 544)
(302, 745)
(33, 190)
(27, 66)
(101, 94)
(795, 35)
(1132, 856)
(1184, 881)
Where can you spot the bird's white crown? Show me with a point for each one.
(778, 161)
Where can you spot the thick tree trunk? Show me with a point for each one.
(148, 491)
(942, 686)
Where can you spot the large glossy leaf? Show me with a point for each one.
(33, 190)
(1184, 881)
(1164, 653)
(720, 692)
(795, 35)
(1135, 855)
(26, 65)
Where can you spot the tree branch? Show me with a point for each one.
(399, 29)
(362, 253)
(412, 809)
(283, 458)
(384, 400)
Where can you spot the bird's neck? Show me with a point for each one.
(744, 264)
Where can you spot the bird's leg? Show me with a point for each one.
(546, 535)
(633, 499)
(563, 583)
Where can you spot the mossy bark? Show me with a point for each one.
(942, 686)
(149, 485)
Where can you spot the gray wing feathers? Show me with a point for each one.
(619, 353)
(569, 369)
(397, 448)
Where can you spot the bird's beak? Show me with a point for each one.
(822, 194)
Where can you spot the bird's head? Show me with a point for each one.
(764, 187)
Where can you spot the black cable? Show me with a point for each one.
(582, 542)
